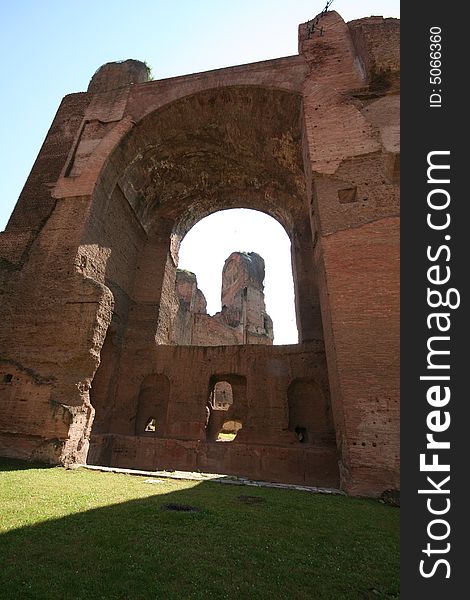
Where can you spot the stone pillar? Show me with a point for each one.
(350, 132)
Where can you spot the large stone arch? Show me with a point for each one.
(239, 146)
(125, 170)
(234, 147)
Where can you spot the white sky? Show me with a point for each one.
(212, 240)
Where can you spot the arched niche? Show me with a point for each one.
(309, 412)
(227, 403)
(152, 406)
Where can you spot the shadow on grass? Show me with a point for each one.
(288, 545)
(13, 464)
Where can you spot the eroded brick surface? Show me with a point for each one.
(88, 268)
(243, 318)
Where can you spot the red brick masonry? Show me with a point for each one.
(88, 266)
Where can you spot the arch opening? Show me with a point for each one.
(234, 283)
(215, 150)
(226, 408)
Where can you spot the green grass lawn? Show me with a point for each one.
(78, 534)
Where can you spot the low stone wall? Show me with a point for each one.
(298, 465)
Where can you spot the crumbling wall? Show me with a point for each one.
(263, 381)
(88, 265)
(243, 318)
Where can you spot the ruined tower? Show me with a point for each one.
(243, 318)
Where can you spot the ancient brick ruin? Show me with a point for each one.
(243, 318)
(96, 361)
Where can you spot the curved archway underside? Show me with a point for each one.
(222, 148)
